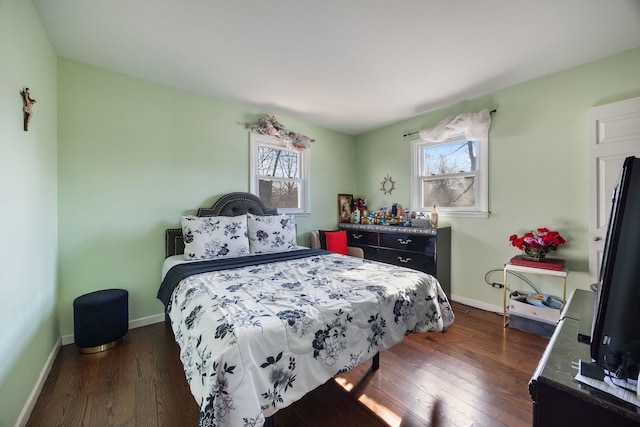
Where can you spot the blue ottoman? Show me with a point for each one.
(100, 319)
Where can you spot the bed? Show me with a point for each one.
(258, 328)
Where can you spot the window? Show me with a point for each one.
(451, 175)
(279, 174)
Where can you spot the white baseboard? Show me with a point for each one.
(136, 323)
(144, 321)
(37, 388)
(477, 304)
(67, 339)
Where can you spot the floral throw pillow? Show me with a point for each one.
(271, 233)
(214, 237)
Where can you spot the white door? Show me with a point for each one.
(614, 134)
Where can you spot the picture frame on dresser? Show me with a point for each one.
(345, 204)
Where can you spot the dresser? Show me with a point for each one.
(558, 399)
(423, 249)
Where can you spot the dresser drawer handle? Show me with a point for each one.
(356, 236)
(405, 242)
(404, 260)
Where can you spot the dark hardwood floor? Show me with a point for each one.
(475, 374)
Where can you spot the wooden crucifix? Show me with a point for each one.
(28, 107)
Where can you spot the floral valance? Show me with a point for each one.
(473, 126)
(270, 126)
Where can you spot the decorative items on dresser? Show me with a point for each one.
(423, 249)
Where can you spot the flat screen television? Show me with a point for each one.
(615, 334)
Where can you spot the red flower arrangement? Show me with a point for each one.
(537, 244)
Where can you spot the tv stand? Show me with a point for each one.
(558, 399)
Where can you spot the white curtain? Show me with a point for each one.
(472, 126)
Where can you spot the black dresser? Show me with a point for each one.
(423, 249)
(558, 399)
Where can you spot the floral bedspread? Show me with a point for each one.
(257, 338)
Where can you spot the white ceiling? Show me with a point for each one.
(347, 65)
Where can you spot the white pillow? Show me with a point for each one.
(271, 233)
(214, 237)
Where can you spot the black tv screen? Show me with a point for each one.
(615, 335)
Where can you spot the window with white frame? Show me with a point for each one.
(452, 175)
(279, 174)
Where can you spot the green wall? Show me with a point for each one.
(538, 175)
(134, 156)
(28, 207)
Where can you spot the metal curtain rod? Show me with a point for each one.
(413, 133)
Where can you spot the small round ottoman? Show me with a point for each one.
(100, 319)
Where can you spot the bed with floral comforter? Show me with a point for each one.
(257, 334)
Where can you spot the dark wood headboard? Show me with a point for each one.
(231, 204)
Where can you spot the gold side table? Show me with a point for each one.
(562, 274)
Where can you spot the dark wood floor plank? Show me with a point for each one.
(475, 374)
